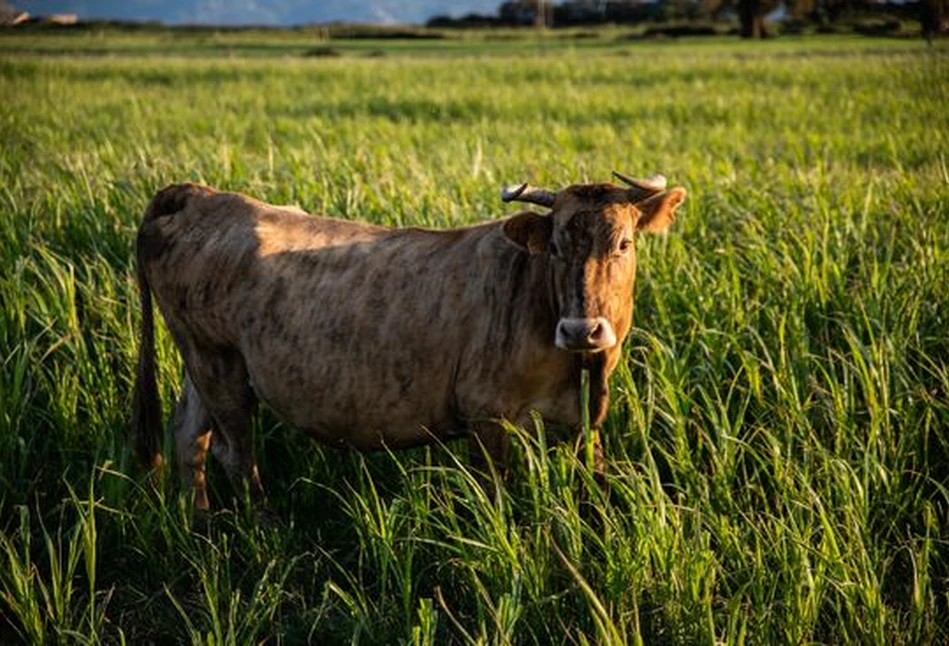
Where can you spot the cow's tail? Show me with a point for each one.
(146, 404)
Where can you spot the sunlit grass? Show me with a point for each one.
(778, 440)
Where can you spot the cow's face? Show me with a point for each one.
(588, 237)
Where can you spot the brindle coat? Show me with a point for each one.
(371, 337)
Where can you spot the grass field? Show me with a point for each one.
(778, 441)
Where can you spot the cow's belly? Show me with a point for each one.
(385, 403)
(368, 405)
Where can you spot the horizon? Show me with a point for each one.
(251, 13)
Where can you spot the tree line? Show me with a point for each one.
(933, 15)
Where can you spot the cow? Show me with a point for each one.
(370, 337)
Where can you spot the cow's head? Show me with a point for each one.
(589, 237)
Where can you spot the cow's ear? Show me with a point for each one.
(529, 231)
(658, 212)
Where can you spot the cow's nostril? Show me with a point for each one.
(596, 332)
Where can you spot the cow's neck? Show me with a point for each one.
(596, 364)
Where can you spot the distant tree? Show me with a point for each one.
(526, 12)
(933, 17)
(751, 14)
(517, 12)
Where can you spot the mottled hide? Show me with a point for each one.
(370, 337)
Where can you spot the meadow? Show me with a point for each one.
(778, 439)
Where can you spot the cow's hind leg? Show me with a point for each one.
(220, 376)
(192, 438)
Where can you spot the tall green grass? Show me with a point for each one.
(778, 440)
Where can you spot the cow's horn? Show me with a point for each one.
(527, 193)
(647, 187)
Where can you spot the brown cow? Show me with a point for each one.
(370, 337)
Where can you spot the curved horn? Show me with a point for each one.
(647, 187)
(527, 193)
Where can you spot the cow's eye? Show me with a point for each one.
(625, 245)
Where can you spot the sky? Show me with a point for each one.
(260, 12)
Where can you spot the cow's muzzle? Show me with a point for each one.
(585, 335)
